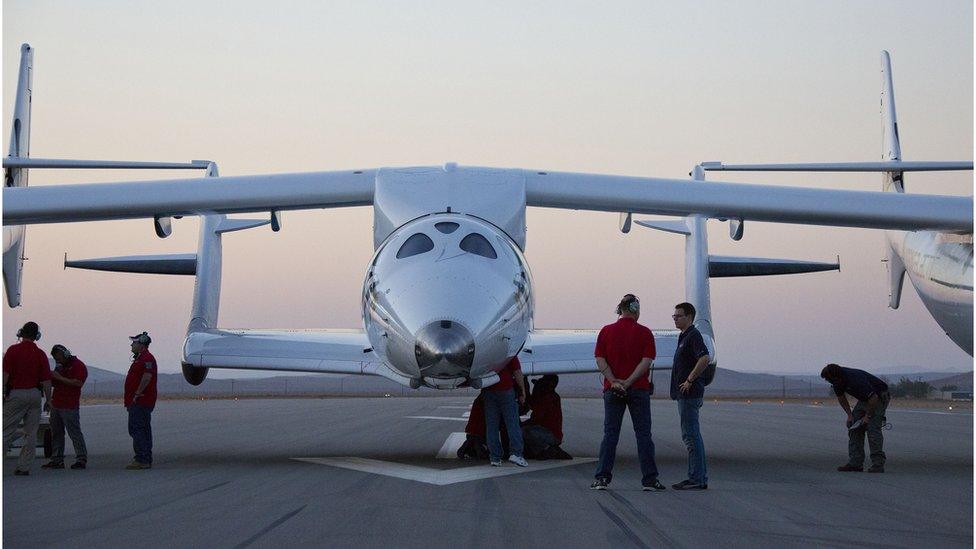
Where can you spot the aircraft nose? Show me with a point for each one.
(444, 349)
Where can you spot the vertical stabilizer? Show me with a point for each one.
(14, 237)
(890, 143)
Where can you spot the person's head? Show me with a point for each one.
(140, 342)
(60, 354)
(545, 384)
(684, 315)
(629, 307)
(30, 331)
(833, 374)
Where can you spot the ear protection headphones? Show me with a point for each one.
(30, 330)
(630, 303)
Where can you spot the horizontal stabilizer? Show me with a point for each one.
(169, 264)
(678, 227)
(56, 163)
(724, 266)
(891, 166)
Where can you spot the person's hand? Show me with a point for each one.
(850, 420)
(136, 396)
(685, 387)
(521, 399)
(618, 387)
(47, 406)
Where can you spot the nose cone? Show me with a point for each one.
(444, 349)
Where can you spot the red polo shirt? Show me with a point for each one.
(145, 363)
(506, 379)
(68, 397)
(624, 344)
(26, 365)
(547, 411)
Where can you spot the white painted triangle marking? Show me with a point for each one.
(451, 445)
(438, 477)
(466, 414)
(438, 417)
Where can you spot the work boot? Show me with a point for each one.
(876, 469)
(53, 465)
(850, 469)
(80, 464)
(136, 465)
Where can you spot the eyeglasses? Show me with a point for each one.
(676, 317)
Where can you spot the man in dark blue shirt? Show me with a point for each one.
(868, 414)
(691, 358)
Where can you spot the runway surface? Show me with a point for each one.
(226, 475)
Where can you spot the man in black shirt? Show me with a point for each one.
(691, 358)
(868, 414)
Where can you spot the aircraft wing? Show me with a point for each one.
(571, 351)
(320, 351)
(682, 197)
(176, 197)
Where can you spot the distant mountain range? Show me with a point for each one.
(107, 384)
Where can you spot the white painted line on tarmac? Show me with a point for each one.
(438, 477)
(457, 407)
(451, 445)
(466, 414)
(438, 417)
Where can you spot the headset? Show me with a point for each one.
(631, 303)
(30, 330)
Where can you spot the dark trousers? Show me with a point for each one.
(501, 406)
(140, 429)
(67, 419)
(639, 403)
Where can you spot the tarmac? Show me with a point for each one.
(348, 472)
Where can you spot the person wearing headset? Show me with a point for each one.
(68, 377)
(26, 374)
(140, 399)
(624, 354)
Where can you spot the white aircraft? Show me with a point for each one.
(447, 297)
(940, 264)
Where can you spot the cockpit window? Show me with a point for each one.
(416, 244)
(479, 245)
(446, 227)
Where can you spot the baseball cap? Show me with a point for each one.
(142, 338)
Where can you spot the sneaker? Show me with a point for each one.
(655, 486)
(518, 460)
(135, 465)
(678, 485)
(876, 469)
(496, 463)
(850, 469)
(53, 465)
(690, 485)
(20, 473)
(79, 465)
(600, 484)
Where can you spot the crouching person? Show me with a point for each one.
(543, 431)
(67, 379)
(474, 446)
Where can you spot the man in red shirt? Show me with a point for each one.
(68, 378)
(543, 431)
(140, 399)
(624, 353)
(26, 373)
(500, 405)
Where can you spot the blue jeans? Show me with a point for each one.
(691, 435)
(500, 405)
(639, 403)
(140, 430)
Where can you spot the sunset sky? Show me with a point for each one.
(634, 88)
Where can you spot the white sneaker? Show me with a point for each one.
(496, 464)
(518, 460)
